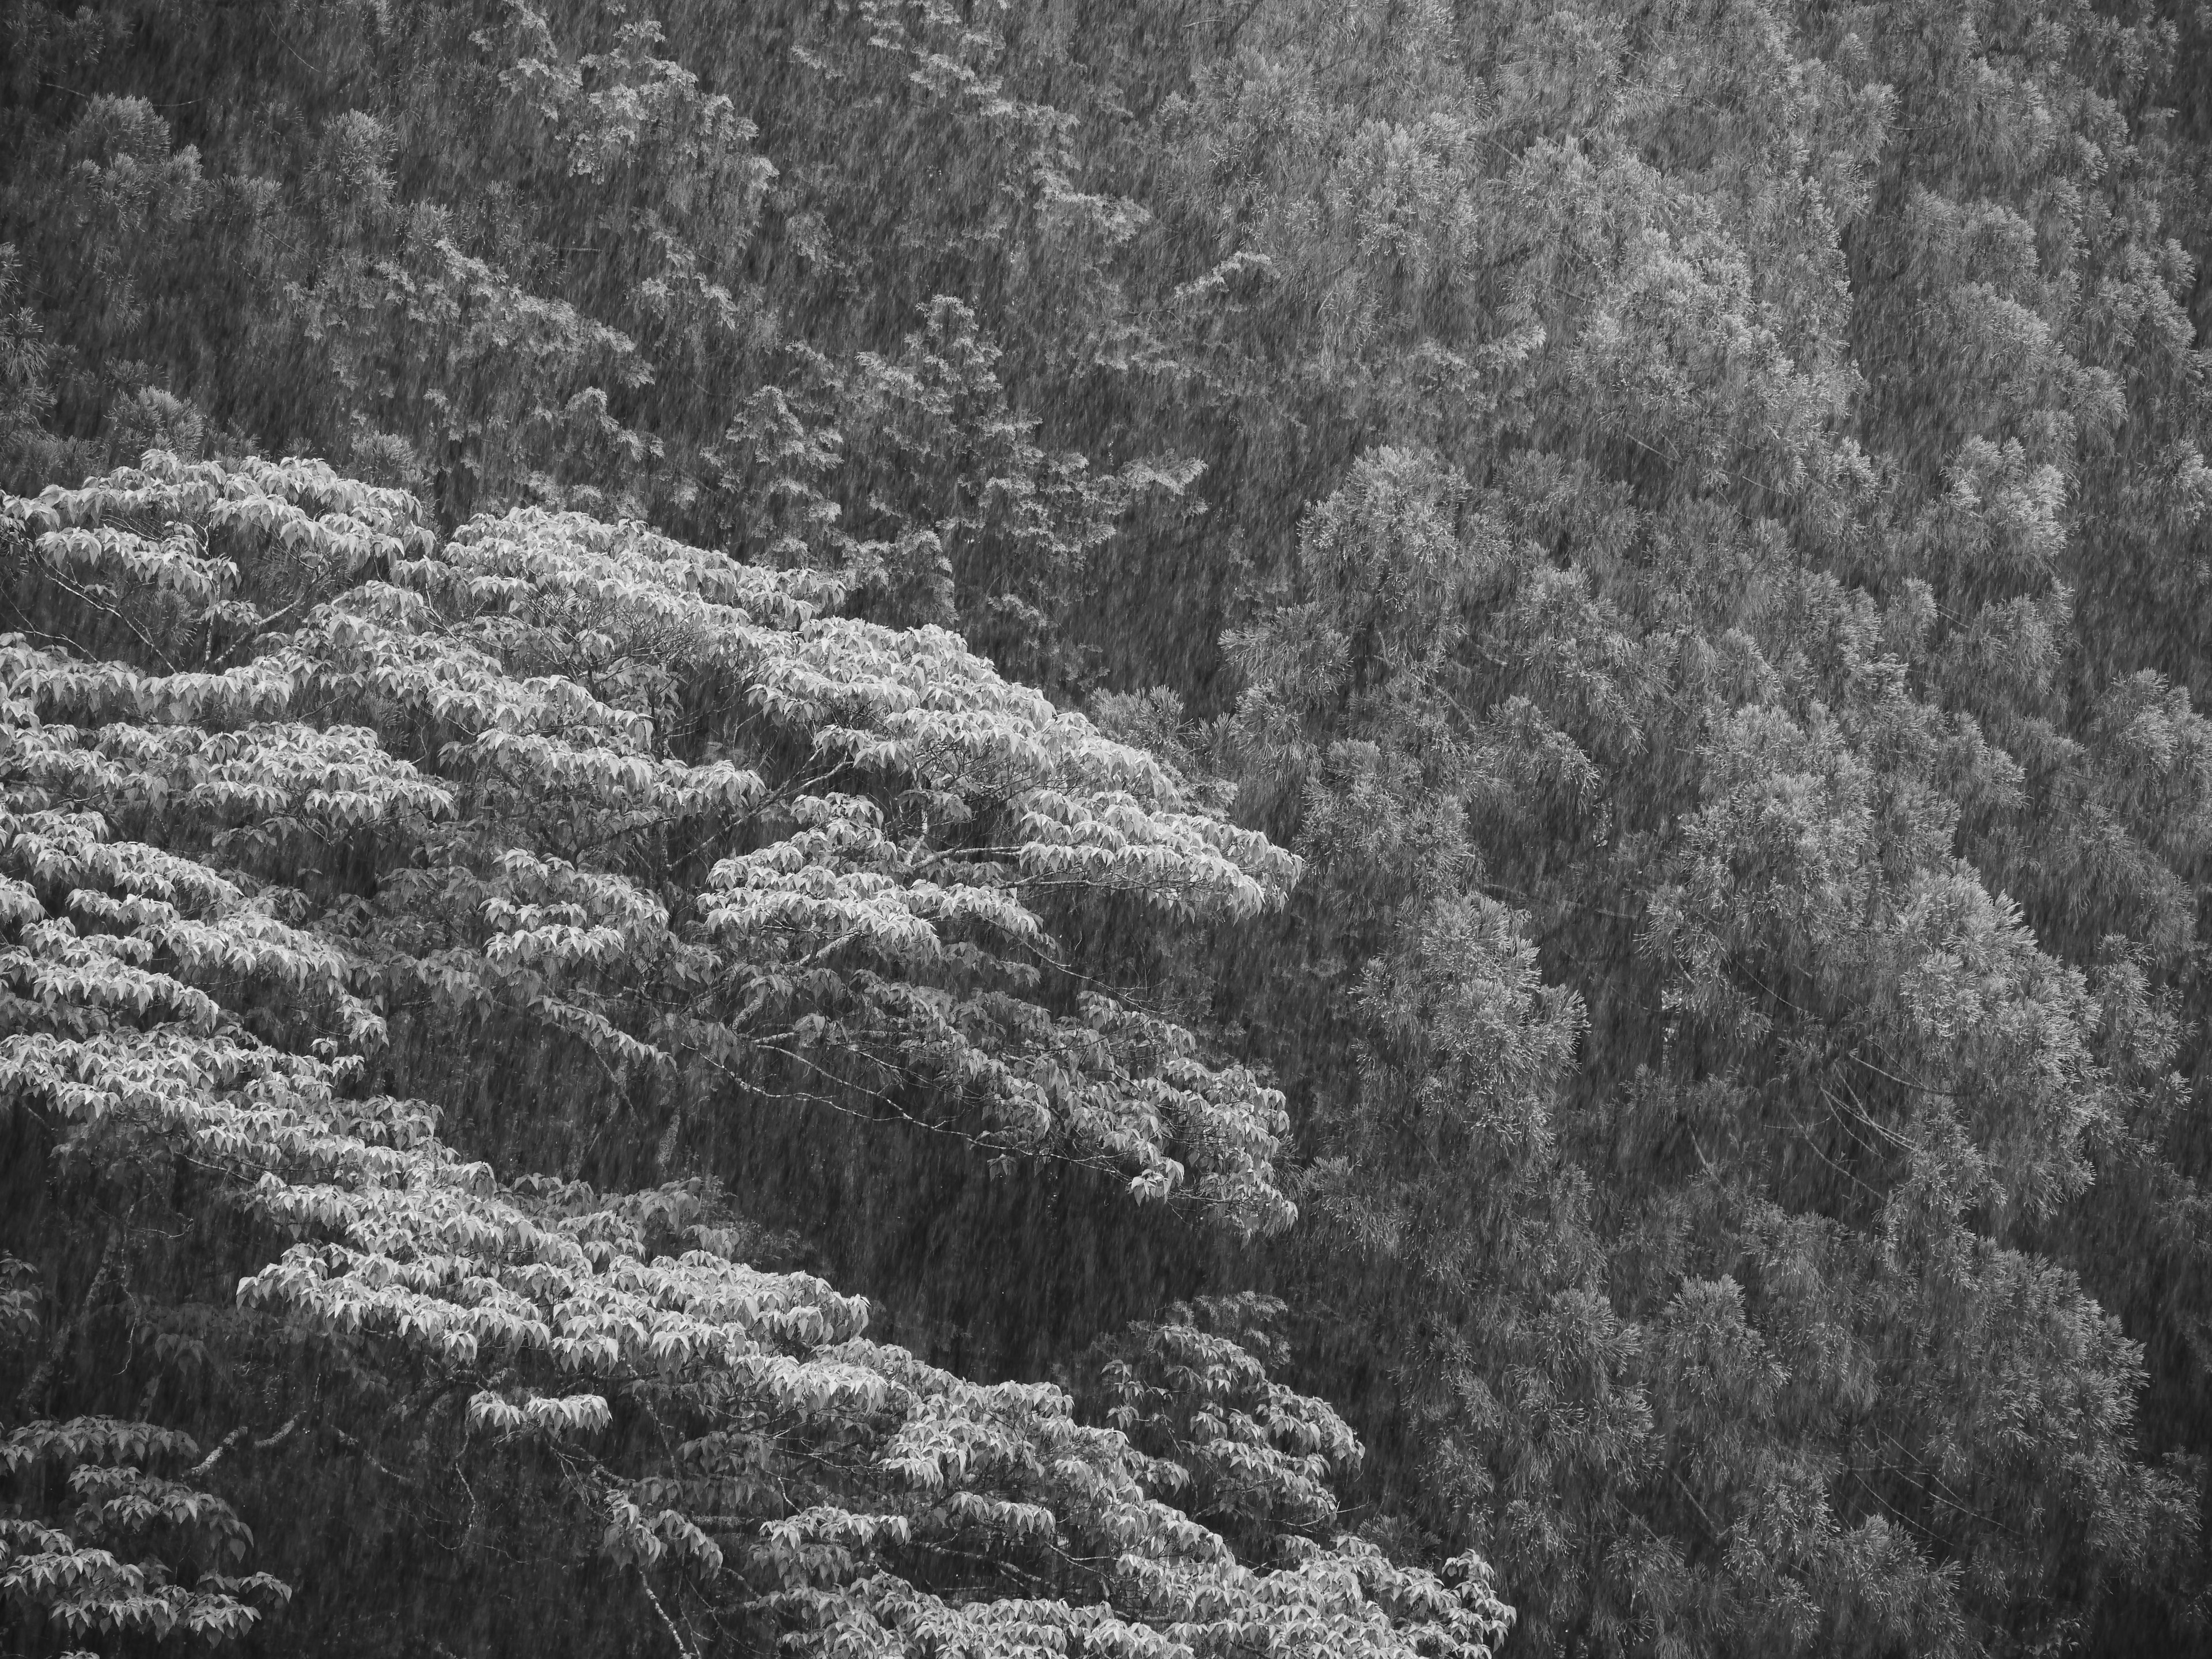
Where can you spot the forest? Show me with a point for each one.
(1105, 829)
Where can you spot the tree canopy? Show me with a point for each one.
(1025, 828)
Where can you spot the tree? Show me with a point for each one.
(668, 825)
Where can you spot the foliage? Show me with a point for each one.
(1681, 528)
(456, 794)
(72, 1584)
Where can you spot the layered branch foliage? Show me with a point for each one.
(670, 818)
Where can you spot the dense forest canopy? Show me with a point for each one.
(1187, 828)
